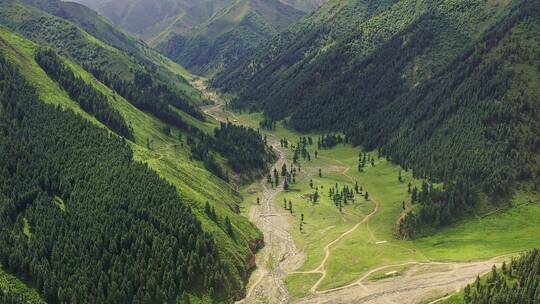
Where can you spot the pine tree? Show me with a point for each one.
(228, 226)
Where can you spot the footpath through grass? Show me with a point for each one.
(374, 244)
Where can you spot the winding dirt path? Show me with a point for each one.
(327, 249)
(421, 282)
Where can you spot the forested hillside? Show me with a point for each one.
(78, 32)
(516, 282)
(447, 89)
(205, 36)
(155, 20)
(140, 243)
(127, 89)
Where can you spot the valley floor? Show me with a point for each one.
(352, 255)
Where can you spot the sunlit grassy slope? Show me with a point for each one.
(374, 243)
(11, 285)
(168, 155)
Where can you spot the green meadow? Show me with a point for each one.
(374, 244)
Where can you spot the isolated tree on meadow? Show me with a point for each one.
(320, 173)
(366, 196)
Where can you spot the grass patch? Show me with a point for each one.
(60, 203)
(300, 283)
(389, 272)
(374, 243)
(26, 228)
(12, 285)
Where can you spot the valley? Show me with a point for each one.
(270, 151)
(354, 256)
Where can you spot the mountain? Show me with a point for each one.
(149, 18)
(204, 35)
(229, 35)
(113, 184)
(305, 5)
(448, 89)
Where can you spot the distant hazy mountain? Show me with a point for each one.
(229, 35)
(204, 35)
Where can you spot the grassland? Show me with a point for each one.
(373, 244)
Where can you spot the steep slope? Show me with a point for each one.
(51, 178)
(229, 35)
(98, 27)
(162, 146)
(426, 83)
(150, 18)
(304, 5)
(154, 20)
(204, 36)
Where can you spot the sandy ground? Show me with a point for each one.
(280, 255)
(421, 283)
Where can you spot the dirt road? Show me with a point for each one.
(420, 283)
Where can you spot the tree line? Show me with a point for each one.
(243, 147)
(518, 282)
(88, 98)
(148, 95)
